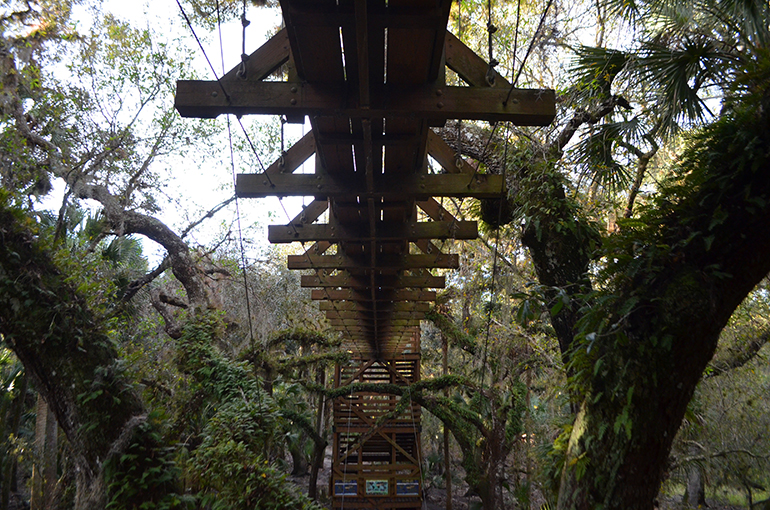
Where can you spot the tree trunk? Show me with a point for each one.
(319, 451)
(50, 472)
(688, 272)
(17, 408)
(695, 493)
(67, 353)
(447, 457)
(298, 458)
(36, 500)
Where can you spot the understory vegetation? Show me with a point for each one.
(606, 338)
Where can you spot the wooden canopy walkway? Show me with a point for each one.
(370, 75)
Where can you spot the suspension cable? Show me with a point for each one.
(529, 50)
(252, 340)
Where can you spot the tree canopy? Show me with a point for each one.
(598, 332)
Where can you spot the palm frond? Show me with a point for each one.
(125, 252)
(594, 70)
(595, 153)
(676, 75)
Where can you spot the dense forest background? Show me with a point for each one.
(605, 338)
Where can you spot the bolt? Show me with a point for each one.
(294, 90)
(439, 92)
(214, 94)
(440, 105)
(293, 101)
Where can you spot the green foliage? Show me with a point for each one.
(145, 476)
(231, 467)
(238, 478)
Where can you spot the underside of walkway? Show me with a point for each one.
(370, 76)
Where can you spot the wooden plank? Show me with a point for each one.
(469, 66)
(316, 49)
(388, 324)
(435, 210)
(416, 307)
(385, 186)
(526, 107)
(263, 62)
(294, 157)
(400, 281)
(439, 260)
(385, 231)
(446, 156)
(350, 314)
(352, 295)
(310, 212)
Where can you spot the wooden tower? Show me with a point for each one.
(369, 74)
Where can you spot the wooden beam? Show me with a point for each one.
(398, 306)
(352, 295)
(384, 231)
(446, 156)
(385, 186)
(294, 157)
(439, 260)
(350, 314)
(392, 324)
(435, 210)
(263, 62)
(310, 212)
(470, 67)
(396, 282)
(526, 107)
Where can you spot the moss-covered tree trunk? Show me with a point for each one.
(676, 282)
(67, 353)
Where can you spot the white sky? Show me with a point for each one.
(193, 189)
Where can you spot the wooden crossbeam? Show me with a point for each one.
(446, 156)
(263, 62)
(439, 260)
(294, 157)
(361, 322)
(469, 66)
(421, 186)
(435, 210)
(397, 281)
(525, 107)
(363, 307)
(384, 232)
(352, 295)
(356, 315)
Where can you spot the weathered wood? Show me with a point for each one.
(350, 314)
(294, 157)
(366, 307)
(385, 186)
(383, 232)
(526, 107)
(469, 66)
(449, 159)
(353, 295)
(440, 260)
(263, 62)
(310, 213)
(435, 210)
(347, 280)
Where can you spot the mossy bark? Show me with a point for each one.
(680, 278)
(67, 353)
